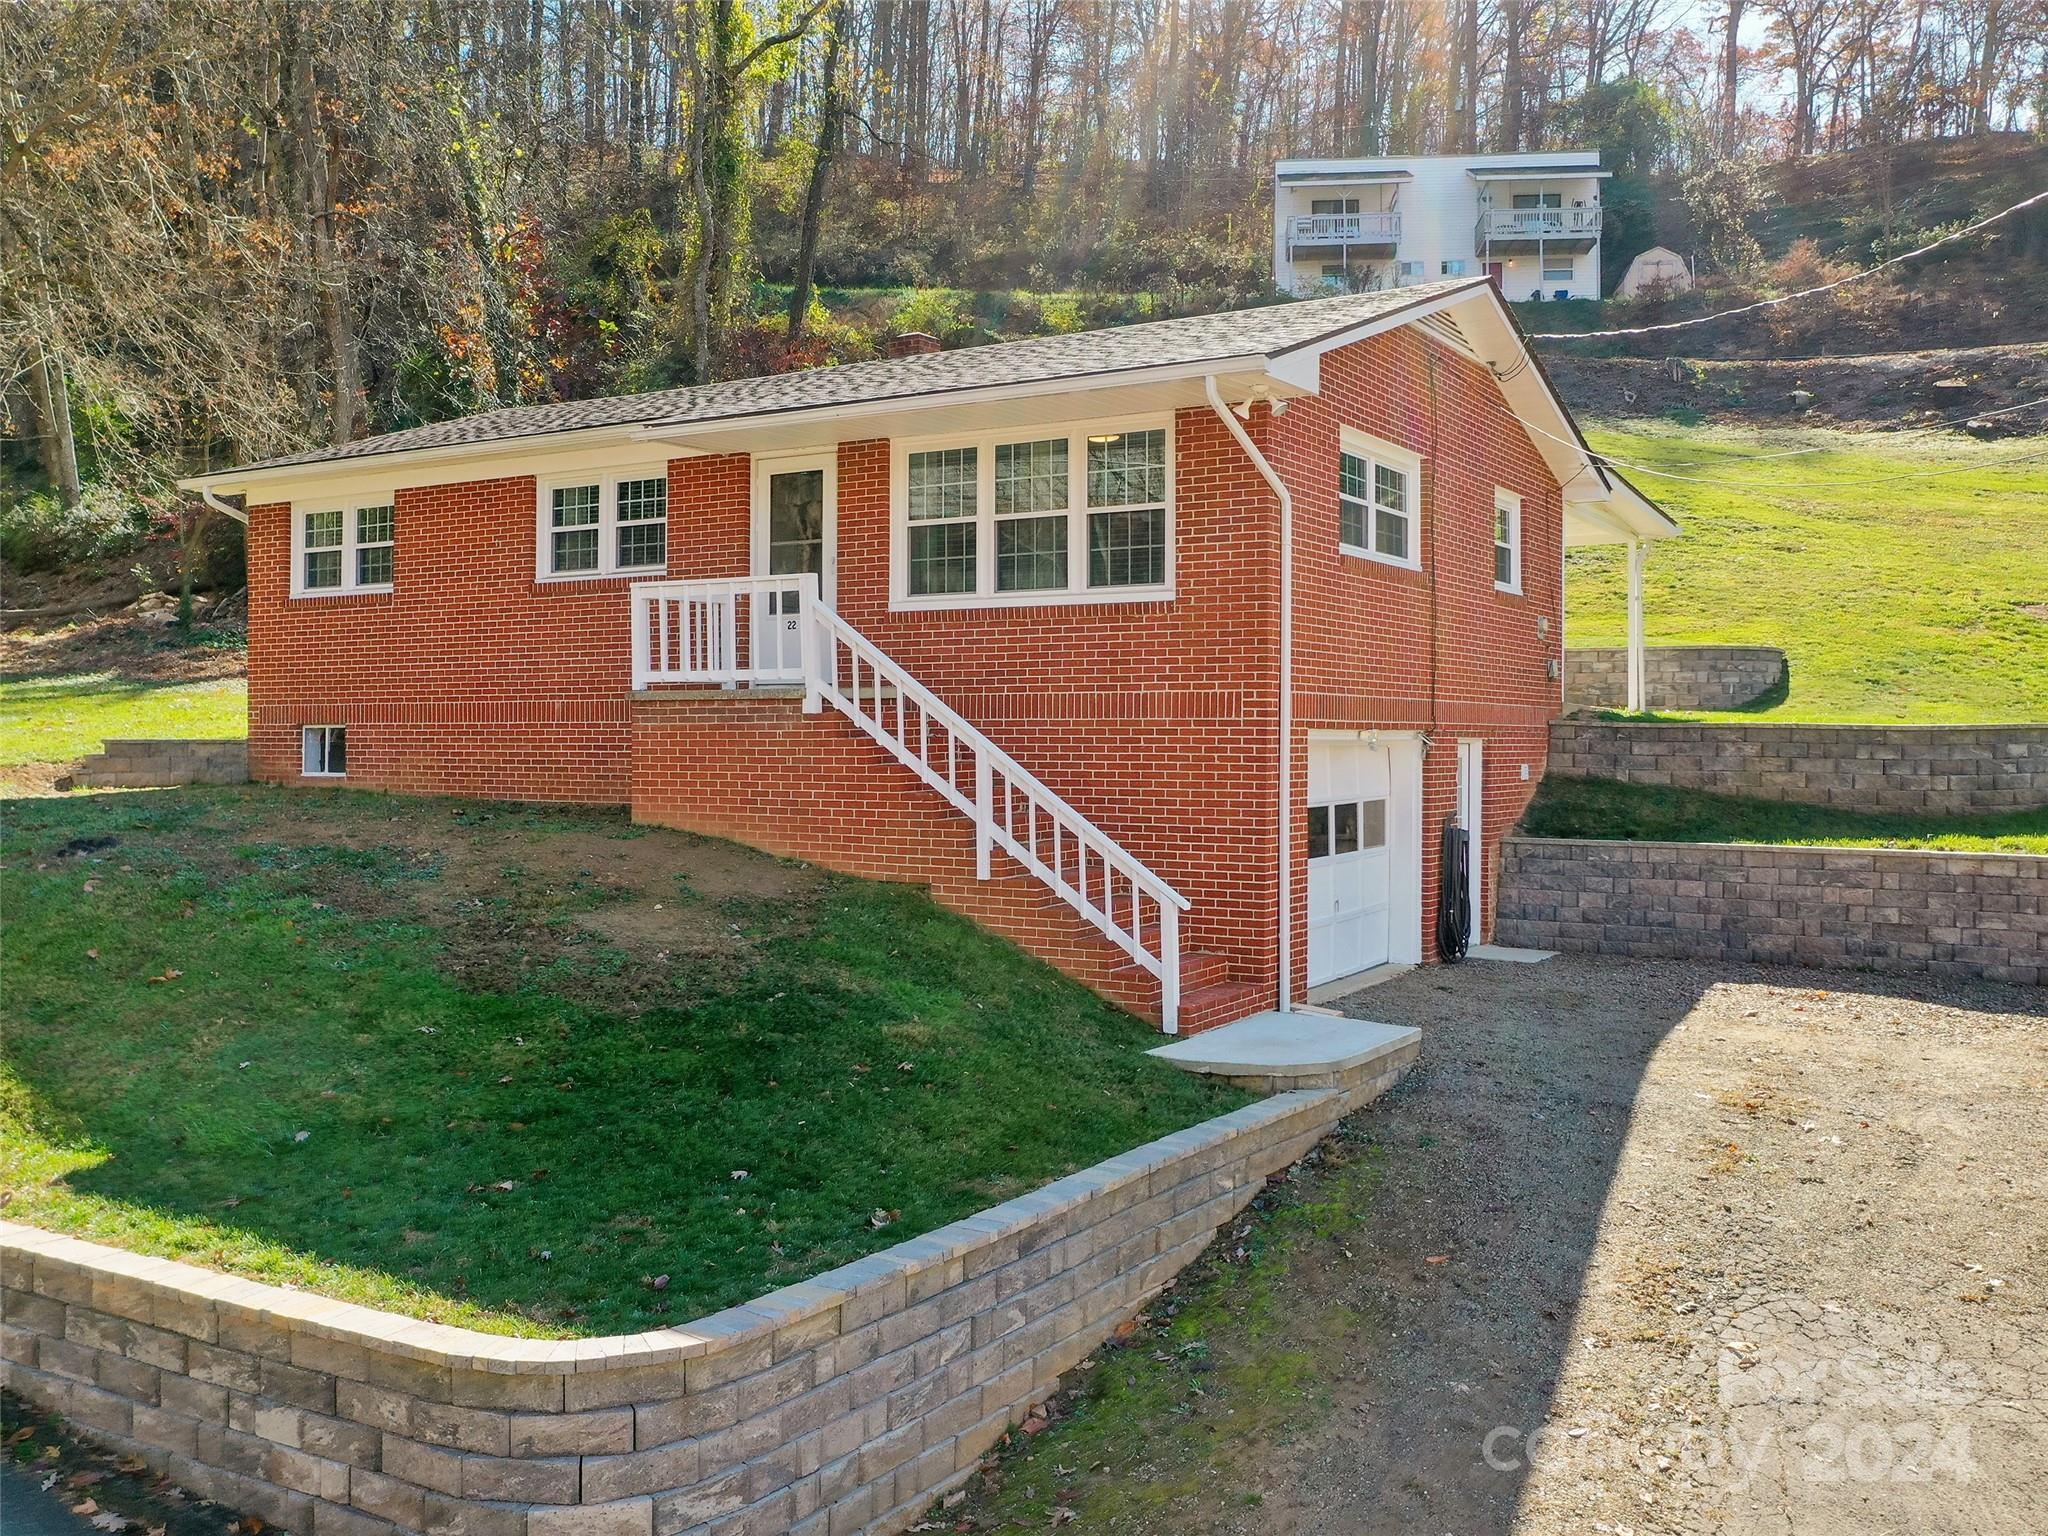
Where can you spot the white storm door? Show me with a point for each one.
(795, 530)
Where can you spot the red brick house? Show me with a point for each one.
(1093, 634)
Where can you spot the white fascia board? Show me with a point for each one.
(371, 473)
(1556, 173)
(892, 405)
(1301, 365)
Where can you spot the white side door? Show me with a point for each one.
(1350, 869)
(795, 530)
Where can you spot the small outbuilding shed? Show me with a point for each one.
(1659, 267)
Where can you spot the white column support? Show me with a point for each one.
(1636, 550)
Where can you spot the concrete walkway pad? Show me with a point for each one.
(1284, 1045)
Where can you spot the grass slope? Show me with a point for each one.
(505, 1067)
(1566, 807)
(1895, 599)
(56, 719)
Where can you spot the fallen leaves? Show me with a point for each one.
(169, 974)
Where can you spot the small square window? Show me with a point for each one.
(944, 483)
(1127, 468)
(324, 751)
(1390, 538)
(1031, 477)
(1031, 554)
(941, 559)
(1127, 549)
(1372, 824)
(1318, 831)
(1346, 826)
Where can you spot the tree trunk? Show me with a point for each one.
(329, 278)
(50, 396)
(831, 116)
(1731, 67)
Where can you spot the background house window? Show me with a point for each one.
(605, 527)
(944, 500)
(1329, 205)
(1013, 518)
(1507, 541)
(1454, 268)
(323, 751)
(1557, 272)
(1377, 486)
(344, 549)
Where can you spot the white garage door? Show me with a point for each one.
(1350, 869)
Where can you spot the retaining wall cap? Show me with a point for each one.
(441, 1344)
(2021, 861)
(1283, 1045)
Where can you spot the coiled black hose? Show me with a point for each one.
(1454, 900)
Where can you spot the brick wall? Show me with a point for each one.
(1937, 770)
(1440, 649)
(1674, 676)
(1951, 914)
(842, 1404)
(1154, 719)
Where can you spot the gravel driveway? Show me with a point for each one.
(1643, 1246)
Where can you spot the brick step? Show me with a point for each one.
(1225, 1003)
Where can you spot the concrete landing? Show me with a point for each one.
(1289, 1045)
(1509, 953)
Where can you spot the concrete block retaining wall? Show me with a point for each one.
(1951, 914)
(141, 764)
(1674, 676)
(1936, 770)
(843, 1404)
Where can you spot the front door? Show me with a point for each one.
(794, 531)
(1350, 869)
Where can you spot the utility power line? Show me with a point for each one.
(1786, 298)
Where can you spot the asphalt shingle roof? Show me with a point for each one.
(1269, 331)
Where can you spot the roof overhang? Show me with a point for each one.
(1123, 393)
(1339, 178)
(1541, 173)
(1599, 505)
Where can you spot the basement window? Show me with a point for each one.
(324, 751)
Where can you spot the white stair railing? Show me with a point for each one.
(728, 630)
(777, 631)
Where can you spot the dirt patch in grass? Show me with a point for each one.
(120, 641)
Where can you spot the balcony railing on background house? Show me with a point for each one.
(777, 631)
(1344, 229)
(1537, 224)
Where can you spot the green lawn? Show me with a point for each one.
(56, 719)
(509, 1067)
(1895, 599)
(1604, 808)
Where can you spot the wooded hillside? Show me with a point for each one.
(229, 227)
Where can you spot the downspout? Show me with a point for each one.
(1286, 763)
(206, 495)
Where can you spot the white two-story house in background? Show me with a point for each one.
(1532, 220)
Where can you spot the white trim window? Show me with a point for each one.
(1507, 541)
(338, 550)
(323, 751)
(603, 525)
(1067, 515)
(1379, 492)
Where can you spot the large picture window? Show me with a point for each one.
(343, 549)
(1379, 489)
(1035, 517)
(604, 526)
